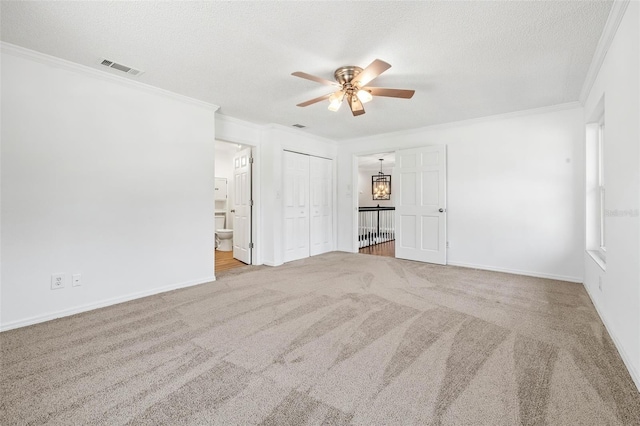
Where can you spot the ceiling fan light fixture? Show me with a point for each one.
(335, 105)
(352, 86)
(364, 96)
(335, 101)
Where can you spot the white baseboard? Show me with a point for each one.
(101, 304)
(518, 272)
(623, 354)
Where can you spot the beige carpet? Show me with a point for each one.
(334, 339)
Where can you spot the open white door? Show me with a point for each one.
(242, 205)
(421, 217)
(321, 229)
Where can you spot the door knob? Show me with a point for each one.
(233, 210)
(441, 210)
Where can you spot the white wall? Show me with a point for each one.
(234, 130)
(619, 300)
(103, 177)
(269, 142)
(514, 190)
(224, 159)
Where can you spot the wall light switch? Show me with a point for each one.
(76, 280)
(57, 281)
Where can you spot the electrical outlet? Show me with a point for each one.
(600, 283)
(76, 280)
(57, 281)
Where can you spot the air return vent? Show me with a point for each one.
(120, 67)
(299, 126)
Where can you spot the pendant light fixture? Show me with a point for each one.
(381, 185)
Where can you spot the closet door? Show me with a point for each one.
(321, 232)
(296, 206)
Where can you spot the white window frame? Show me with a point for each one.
(602, 247)
(595, 185)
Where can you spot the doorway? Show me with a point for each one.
(233, 206)
(376, 208)
(417, 197)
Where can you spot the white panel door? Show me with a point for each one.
(321, 232)
(421, 217)
(242, 205)
(296, 206)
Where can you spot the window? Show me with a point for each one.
(601, 189)
(596, 212)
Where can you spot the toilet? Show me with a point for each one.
(224, 237)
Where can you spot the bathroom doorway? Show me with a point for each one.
(233, 205)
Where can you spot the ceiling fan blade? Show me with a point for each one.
(373, 70)
(356, 106)
(315, 100)
(391, 93)
(314, 78)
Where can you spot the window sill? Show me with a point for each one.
(597, 257)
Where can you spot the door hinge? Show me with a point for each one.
(251, 203)
(250, 245)
(250, 160)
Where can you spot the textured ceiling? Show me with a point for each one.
(464, 59)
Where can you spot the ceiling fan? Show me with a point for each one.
(351, 82)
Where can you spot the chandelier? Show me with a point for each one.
(381, 185)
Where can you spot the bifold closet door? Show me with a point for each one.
(321, 211)
(296, 206)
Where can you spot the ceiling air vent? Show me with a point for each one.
(120, 67)
(299, 126)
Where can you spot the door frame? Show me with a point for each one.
(256, 219)
(354, 188)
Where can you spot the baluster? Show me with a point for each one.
(360, 229)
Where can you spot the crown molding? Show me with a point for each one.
(235, 130)
(515, 114)
(616, 14)
(18, 51)
(222, 117)
(298, 132)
